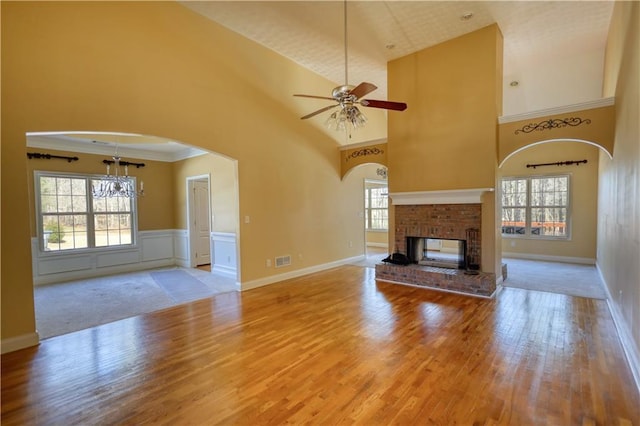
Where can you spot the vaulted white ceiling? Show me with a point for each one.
(311, 33)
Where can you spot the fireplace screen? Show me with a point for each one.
(438, 252)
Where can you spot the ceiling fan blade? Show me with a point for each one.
(396, 106)
(318, 112)
(316, 97)
(362, 89)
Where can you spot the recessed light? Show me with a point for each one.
(514, 83)
(466, 16)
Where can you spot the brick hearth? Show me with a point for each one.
(482, 284)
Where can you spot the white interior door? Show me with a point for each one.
(200, 234)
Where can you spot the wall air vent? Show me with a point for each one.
(283, 261)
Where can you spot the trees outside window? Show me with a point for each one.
(70, 218)
(536, 206)
(376, 205)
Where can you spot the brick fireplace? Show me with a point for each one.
(446, 215)
(441, 221)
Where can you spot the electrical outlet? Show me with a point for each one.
(350, 244)
(268, 263)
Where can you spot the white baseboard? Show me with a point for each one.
(225, 271)
(19, 342)
(94, 273)
(626, 337)
(381, 245)
(299, 273)
(547, 258)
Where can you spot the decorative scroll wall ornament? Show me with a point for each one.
(559, 163)
(553, 123)
(364, 152)
(382, 172)
(31, 155)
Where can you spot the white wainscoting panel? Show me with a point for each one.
(224, 254)
(58, 264)
(156, 245)
(116, 258)
(181, 247)
(154, 249)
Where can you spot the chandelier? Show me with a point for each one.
(117, 185)
(348, 114)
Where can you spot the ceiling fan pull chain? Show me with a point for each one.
(346, 60)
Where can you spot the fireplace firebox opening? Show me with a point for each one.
(437, 252)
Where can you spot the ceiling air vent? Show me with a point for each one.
(283, 261)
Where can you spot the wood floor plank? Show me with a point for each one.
(335, 347)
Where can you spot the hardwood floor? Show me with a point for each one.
(331, 348)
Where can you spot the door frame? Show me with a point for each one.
(190, 210)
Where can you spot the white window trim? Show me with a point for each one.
(528, 235)
(38, 213)
(369, 183)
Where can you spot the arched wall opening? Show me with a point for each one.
(160, 235)
(373, 199)
(548, 158)
(553, 141)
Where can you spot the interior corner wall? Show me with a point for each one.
(447, 137)
(157, 68)
(619, 181)
(223, 186)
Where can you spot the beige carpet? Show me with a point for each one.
(72, 306)
(554, 277)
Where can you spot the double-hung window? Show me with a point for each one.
(536, 206)
(70, 218)
(376, 205)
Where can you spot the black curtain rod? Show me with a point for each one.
(124, 163)
(559, 163)
(31, 155)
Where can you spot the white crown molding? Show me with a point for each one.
(60, 143)
(455, 196)
(598, 103)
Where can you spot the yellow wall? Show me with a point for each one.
(597, 126)
(156, 68)
(154, 209)
(223, 185)
(378, 238)
(583, 201)
(619, 180)
(447, 138)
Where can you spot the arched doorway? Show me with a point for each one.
(373, 194)
(548, 198)
(107, 256)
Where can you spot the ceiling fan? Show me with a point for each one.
(348, 97)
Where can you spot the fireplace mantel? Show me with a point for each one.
(455, 196)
